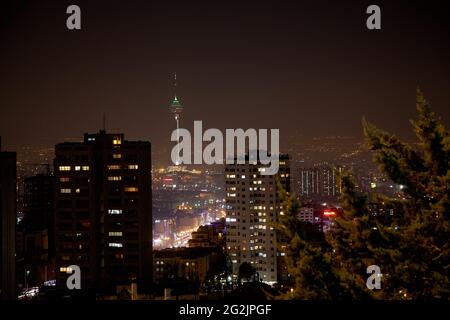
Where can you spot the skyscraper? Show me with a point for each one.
(253, 207)
(176, 109)
(103, 217)
(7, 224)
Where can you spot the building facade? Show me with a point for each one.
(103, 217)
(319, 182)
(252, 208)
(210, 235)
(306, 214)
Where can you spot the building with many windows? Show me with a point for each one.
(252, 208)
(306, 214)
(320, 182)
(103, 217)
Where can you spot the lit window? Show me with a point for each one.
(77, 190)
(131, 189)
(86, 224)
(65, 269)
(64, 168)
(114, 211)
(117, 156)
(114, 178)
(113, 167)
(116, 141)
(66, 190)
(115, 245)
(115, 233)
(77, 168)
(64, 179)
(85, 168)
(133, 167)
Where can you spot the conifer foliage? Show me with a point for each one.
(411, 244)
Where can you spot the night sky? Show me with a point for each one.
(310, 66)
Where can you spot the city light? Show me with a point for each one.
(174, 209)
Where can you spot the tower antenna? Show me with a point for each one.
(175, 84)
(176, 109)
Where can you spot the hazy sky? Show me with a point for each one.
(310, 66)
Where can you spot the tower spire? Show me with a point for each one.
(176, 109)
(175, 85)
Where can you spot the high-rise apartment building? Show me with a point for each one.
(319, 182)
(103, 217)
(253, 208)
(38, 198)
(7, 224)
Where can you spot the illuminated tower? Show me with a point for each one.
(176, 109)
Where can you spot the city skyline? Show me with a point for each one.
(312, 163)
(320, 62)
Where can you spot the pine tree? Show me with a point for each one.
(421, 257)
(411, 246)
(308, 266)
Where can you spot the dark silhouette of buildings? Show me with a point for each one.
(103, 217)
(186, 269)
(7, 224)
(36, 250)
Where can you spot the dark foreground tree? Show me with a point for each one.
(247, 272)
(411, 246)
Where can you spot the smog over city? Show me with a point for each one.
(216, 159)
